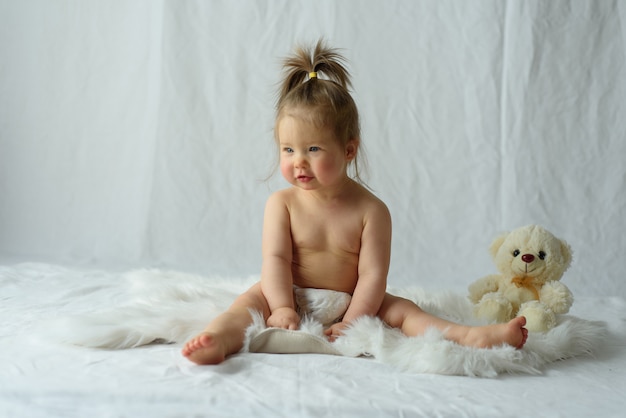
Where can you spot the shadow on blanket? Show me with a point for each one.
(173, 307)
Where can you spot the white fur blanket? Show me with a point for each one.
(172, 307)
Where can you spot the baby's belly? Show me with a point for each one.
(326, 271)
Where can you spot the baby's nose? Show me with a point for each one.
(528, 258)
(300, 161)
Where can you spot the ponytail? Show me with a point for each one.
(316, 81)
(306, 62)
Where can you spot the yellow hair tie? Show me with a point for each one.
(312, 74)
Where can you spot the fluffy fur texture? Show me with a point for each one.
(530, 261)
(172, 307)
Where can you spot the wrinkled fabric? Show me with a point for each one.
(140, 133)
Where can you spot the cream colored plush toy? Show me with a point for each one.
(531, 262)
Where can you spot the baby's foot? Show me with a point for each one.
(512, 333)
(204, 349)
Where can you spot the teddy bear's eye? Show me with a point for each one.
(515, 253)
(542, 255)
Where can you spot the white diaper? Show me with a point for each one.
(323, 305)
(318, 308)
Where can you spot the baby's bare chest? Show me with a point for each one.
(330, 231)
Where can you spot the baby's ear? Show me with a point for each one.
(351, 149)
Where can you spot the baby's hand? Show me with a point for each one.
(335, 331)
(285, 318)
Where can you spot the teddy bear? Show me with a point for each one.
(531, 261)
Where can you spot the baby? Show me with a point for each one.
(326, 231)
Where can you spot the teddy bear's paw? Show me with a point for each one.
(481, 287)
(539, 318)
(557, 296)
(494, 307)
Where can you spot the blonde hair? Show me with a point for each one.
(326, 102)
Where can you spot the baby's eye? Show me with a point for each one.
(542, 255)
(288, 150)
(515, 253)
(314, 149)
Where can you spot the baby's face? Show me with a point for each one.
(311, 156)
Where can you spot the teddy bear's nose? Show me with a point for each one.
(528, 258)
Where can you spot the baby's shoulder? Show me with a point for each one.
(372, 204)
(368, 197)
(280, 200)
(281, 196)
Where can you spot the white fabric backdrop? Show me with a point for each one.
(136, 134)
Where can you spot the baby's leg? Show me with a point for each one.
(225, 334)
(407, 316)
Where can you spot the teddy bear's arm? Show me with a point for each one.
(556, 296)
(483, 286)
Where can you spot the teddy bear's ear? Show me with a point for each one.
(496, 244)
(566, 251)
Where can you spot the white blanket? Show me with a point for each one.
(172, 307)
(41, 378)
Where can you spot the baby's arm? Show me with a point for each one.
(276, 276)
(373, 268)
